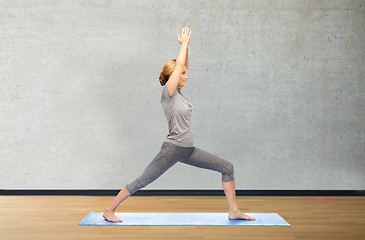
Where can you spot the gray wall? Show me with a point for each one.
(277, 89)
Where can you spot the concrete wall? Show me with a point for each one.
(277, 89)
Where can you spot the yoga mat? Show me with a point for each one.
(185, 219)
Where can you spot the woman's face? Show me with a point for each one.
(183, 78)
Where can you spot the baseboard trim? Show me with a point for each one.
(248, 193)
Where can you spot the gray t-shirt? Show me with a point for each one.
(178, 111)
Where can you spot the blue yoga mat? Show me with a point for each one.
(185, 219)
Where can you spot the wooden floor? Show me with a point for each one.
(57, 217)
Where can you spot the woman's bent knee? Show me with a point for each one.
(230, 168)
(228, 175)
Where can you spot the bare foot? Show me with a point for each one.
(109, 216)
(238, 215)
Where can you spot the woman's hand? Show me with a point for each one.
(185, 36)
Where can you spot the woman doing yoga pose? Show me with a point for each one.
(178, 145)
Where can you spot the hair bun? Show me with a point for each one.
(167, 70)
(163, 79)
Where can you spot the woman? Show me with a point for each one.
(178, 145)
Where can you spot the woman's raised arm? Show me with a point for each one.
(187, 56)
(180, 61)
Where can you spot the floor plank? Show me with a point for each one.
(57, 217)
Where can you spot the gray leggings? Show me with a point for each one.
(170, 154)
